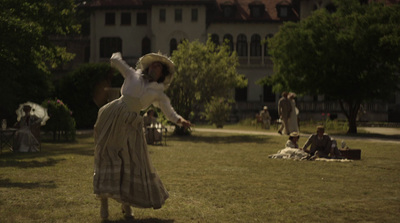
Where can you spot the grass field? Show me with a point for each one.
(211, 177)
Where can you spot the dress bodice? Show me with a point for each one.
(148, 92)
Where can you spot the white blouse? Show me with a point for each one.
(148, 92)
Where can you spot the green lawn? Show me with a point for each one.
(211, 177)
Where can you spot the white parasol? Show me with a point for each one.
(37, 110)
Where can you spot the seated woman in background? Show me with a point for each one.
(153, 130)
(149, 118)
(25, 141)
(292, 141)
(291, 150)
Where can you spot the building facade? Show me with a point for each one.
(137, 27)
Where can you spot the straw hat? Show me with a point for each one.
(294, 134)
(265, 107)
(145, 61)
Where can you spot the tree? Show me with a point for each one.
(351, 55)
(78, 89)
(26, 54)
(217, 111)
(202, 71)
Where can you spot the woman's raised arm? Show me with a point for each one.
(118, 63)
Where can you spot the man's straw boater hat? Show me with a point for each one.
(294, 134)
(145, 61)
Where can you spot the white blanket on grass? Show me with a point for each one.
(290, 153)
(297, 154)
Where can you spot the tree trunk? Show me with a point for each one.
(351, 114)
(352, 124)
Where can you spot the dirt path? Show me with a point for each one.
(382, 130)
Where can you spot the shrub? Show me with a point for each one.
(77, 89)
(61, 122)
(217, 111)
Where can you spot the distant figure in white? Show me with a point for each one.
(293, 124)
(25, 141)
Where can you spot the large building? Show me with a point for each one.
(137, 27)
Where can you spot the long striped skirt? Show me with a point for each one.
(123, 169)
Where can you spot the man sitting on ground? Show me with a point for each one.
(321, 145)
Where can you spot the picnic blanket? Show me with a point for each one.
(290, 153)
(297, 154)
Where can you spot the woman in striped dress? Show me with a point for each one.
(123, 169)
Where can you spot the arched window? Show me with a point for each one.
(173, 45)
(229, 38)
(241, 45)
(266, 53)
(215, 39)
(109, 45)
(146, 45)
(255, 45)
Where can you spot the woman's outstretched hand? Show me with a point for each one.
(185, 123)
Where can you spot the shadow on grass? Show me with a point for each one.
(10, 162)
(218, 139)
(82, 149)
(148, 220)
(28, 185)
(83, 145)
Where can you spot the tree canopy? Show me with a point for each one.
(26, 54)
(351, 55)
(202, 71)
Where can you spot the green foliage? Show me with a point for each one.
(77, 90)
(202, 71)
(217, 111)
(26, 54)
(61, 122)
(357, 47)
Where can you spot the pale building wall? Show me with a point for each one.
(253, 73)
(238, 28)
(163, 32)
(131, 35)
(160, 35)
